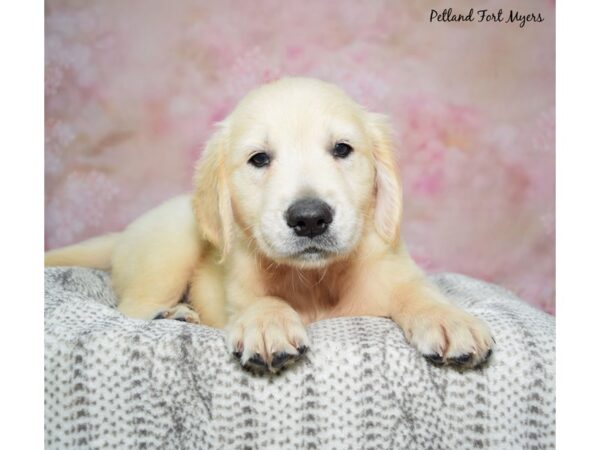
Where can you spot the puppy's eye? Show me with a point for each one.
(342, 150)
(260, 159)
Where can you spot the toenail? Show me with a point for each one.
(461, 359)
(279, 359)
(434, 358)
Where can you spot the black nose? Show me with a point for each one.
(309, 217)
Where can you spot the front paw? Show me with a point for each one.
(267, 341)
(448, 335)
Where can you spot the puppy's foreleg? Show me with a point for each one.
(440, 330)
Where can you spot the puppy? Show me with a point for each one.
(295, 218)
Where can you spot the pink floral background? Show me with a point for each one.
(134, 87)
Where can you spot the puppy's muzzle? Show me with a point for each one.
(309, 217)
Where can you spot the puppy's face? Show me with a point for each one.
(300, 168)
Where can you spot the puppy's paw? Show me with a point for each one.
(448, 335)
(268, 341)
(181, 312)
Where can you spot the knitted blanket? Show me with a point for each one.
(116, 382)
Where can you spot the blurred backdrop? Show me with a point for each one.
(133, 89)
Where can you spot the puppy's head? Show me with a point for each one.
(300, 170)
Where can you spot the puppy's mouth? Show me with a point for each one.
(313, 252)
(316, 252)
(311, 256)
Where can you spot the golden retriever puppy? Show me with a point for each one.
(295, 218)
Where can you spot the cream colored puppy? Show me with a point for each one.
(295, 218)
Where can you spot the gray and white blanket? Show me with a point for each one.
(116, 382)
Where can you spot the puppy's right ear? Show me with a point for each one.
(211, 200)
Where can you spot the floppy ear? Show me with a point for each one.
(388, 200)
(211, 200)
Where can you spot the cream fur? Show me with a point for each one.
(230, 246)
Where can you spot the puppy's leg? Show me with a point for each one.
(207, 292)
(392, 285)
(441, 331)
(268, 334)
(153, 262)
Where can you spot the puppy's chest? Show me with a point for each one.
(314, 296)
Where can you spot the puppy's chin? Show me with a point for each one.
(311, 258)
(309, 262)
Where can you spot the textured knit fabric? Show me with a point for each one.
(116, 382)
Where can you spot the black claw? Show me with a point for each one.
(159, 316)
(302, 350)
(237, 354)
(485, 360)
(257, 360)
(461, 360)
(256, 363)
(180, 319)
(279, 359)
(435, 358)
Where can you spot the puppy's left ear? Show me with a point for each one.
(388, 200)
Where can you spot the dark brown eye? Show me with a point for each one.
(260, 159)
(342, 150)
